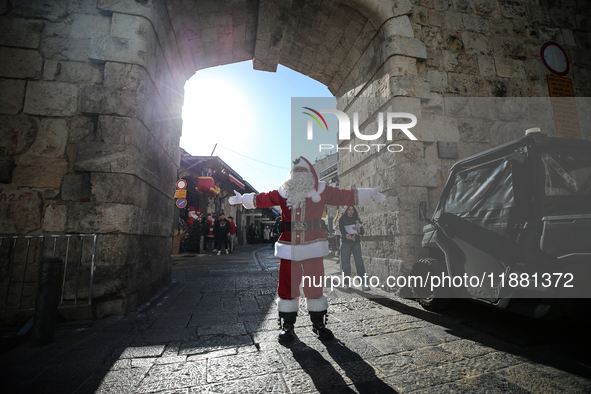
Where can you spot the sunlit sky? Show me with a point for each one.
(248, 114)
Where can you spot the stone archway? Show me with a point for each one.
(95, 90)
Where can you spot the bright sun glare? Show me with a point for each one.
(213, 112)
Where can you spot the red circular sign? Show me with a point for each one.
(181, 184)
(554, 58)
(181, 203)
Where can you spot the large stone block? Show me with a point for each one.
(82, 128)
(437, 80)
(132, 27)
(147, 162)
(20, 211)
(20, 63)
(475, 130)
(91, 217)
(450, 61)
(475, 23)
(513, 9)
(104, 48)
(126, 77)
(453, 20)
(54, 219)
(89, 26)
(65, 48)
(401, 65)
(475, 43)
(51, 139)
(13, 94)
(39, 172)
(17, 133)
(406, 86)
(76, 186)
(74, 72)
(119, 188)
(98, 99)
(21, 33)
(399, 26)
(444, 128)
(433, 104)
(51, 99)
(51, 10)
(106, 157)
(514, 47)
(459, 83)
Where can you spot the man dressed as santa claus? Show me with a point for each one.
(303, 245)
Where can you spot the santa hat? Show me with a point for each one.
(304, 163)
(191, 209)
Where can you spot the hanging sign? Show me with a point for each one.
(180, 194)
(181, 184)
(563, 102)
(554, 58)
(181, 203)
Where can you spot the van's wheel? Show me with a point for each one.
(434, 300)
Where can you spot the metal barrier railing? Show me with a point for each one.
(15, 256)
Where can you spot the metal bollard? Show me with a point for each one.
(46, 301)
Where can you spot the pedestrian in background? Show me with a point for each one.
(208, 224)
(251, 234)
(232, 233)
(337, 231)
(222, 232)
(266, 234)
(351, 229)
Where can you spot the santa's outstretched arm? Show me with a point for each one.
(366, 196)
(254, 200)
(361, 196)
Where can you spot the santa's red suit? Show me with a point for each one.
(303, 245)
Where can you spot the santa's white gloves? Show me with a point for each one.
(237, 199)
(376, 195)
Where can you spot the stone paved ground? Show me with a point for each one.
(214, 330)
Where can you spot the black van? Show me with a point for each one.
(512, 229)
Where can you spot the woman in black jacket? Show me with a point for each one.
(351, 229)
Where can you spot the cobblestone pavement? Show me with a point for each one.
(214, 330)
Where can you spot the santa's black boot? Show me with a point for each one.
(319, 320)
(289, 319)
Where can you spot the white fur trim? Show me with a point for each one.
(248, 200)
(303, 164)
(364, 196)
(301, 252)
(317, 304)
(292, 305)
(321, 188)
(316, 198)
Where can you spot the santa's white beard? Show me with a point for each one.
(296, 187)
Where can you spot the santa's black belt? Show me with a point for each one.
(304, 225)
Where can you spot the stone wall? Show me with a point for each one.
(90, 124)
(439, 49)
